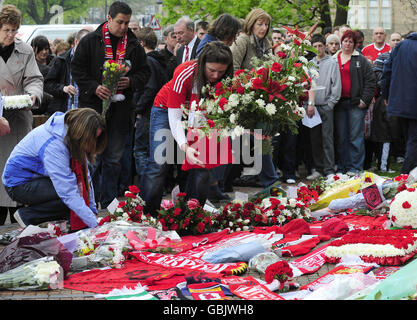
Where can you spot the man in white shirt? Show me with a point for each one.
(187, 40)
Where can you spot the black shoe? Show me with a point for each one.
(216, 195)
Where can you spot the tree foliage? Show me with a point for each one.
(54, 11)
(302, 13)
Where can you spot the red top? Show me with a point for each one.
(178, 92)
(371, 52)
(345, 76)
(182, 78)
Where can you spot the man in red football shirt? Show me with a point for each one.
(373, 50)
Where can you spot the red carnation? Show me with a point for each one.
(282, 54)
(257, 83)
(177, 212)
(297, 42)
(240, 90)
(193, 204)
(222, 103)
(134, 189)
(200, 227)
(211, 123)
(276, 67)
(406, 205)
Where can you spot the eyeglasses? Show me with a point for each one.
(10, 32)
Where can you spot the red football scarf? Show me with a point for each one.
(108, 50)
(81, 175)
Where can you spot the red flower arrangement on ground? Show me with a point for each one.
(130, 209)
(185, 216)
(279, 270)
(385, 247)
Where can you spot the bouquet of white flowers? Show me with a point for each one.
(40, 274)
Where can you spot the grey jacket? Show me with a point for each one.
(329, 78)
(243, 49)
(18, 76)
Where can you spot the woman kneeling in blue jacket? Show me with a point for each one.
(48, 173)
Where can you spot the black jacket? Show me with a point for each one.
(57, 78)
(158, 78)
(180, 52)
(363, 80)
(171, 62)
(87, 72)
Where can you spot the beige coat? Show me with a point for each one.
(243, 49)
(20, 75)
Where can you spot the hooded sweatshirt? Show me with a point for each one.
(329, 79)
(43, 153)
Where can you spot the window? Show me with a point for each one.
(369, 14)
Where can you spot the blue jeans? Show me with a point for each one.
(106, 171)
(285, 153)
(268, 173)
(410, 161)
(350, 139)
(41, 200)
(153, 180)
(198, 184)
(126, 174)
(141, 145)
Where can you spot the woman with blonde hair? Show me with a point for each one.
(19, 75)
(253, 41)
(48, 170)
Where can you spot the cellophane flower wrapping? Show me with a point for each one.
(131, 209)
(40, 274)
(185, 217)
(112, 73)
(266, 97)
(262, 260)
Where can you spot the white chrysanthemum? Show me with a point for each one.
(238, 131)
(281, 218)
(232, 118)
(210, 104)
(400, 214)
(270, 109)
(234, 100)
(260, 103)
(292, 79)
(303, 59)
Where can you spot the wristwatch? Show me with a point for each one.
(311, 103)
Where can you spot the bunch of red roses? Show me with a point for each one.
(185, 216)
(279, 270)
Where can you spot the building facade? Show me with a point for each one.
(393, 15)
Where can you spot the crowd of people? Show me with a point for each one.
(74, 162)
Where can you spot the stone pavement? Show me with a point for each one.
(65, 294)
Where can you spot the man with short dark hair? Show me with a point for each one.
(201, 29)
(277, 36)
(112, 40)
(323, 101)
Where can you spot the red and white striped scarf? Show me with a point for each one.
(108, 50)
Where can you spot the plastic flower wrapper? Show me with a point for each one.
(112, 73)
(41, 274)
(262, 260)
